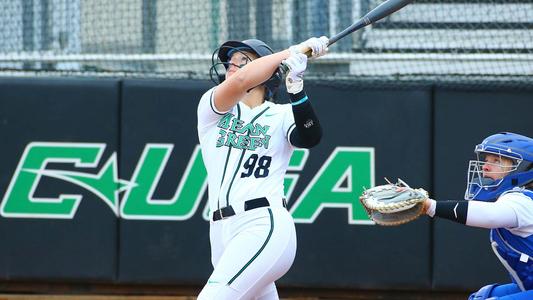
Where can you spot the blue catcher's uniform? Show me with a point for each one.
(513, 246)
(516, 254)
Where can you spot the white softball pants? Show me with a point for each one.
(250, 251)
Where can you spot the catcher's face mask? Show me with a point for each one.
(484, 182)
(488, 172)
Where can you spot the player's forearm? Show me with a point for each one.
(308, 132)
(257, 71)
(474, 213)
(253, 74)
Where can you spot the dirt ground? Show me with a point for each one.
(361, 296)
(65, 291)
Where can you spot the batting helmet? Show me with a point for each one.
(223, 54)
(517, 148)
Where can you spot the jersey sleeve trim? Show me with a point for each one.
(291, 128)
(212, 104)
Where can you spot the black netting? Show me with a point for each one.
(429, 40)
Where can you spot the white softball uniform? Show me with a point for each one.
(253, 240)
(513, 211)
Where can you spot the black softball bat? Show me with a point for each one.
(381, 11)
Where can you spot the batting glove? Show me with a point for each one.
(318, 46)
(297, 63)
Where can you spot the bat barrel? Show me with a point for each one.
(355, 26)
(384, 9)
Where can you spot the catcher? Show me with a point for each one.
(499, 196)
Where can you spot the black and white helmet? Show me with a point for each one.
(222, 56)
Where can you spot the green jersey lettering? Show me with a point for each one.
(225, 121)
(237, 125)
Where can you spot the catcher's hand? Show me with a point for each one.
(393, 204)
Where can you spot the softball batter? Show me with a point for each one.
(246, 145)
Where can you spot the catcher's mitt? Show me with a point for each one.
(393, 204)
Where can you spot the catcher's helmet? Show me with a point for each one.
(222, 55)
(517, 148)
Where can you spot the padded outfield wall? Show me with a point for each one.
(102, 181)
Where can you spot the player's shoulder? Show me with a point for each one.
(518, 194)
(205, 104)
(208, 94)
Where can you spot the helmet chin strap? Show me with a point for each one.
(253, 98)
(267, 94)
